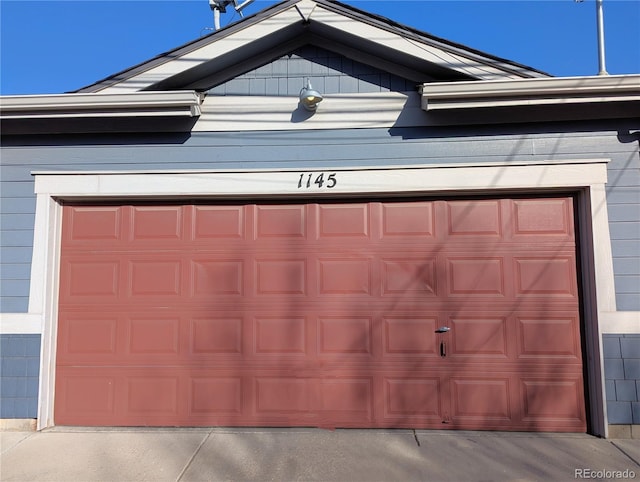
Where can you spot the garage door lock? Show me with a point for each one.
(443, 345)
(443, 349)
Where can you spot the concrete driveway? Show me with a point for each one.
(283, 455)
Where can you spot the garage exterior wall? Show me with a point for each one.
(318, 149)
(321, 149)
(329, 73)
(622, 375)
(19, 375)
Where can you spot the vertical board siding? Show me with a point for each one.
(19, 375)
(314, 149)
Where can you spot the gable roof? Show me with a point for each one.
(283, 27)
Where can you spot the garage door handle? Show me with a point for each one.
(443, 349)
(443, 329)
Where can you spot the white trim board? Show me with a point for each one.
(620, 322)
(20, 324)
(356, 181)
(587, 175)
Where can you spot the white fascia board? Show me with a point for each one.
(208, 53)
(139, 104)
(337, 111)
(484, 69)
(539, 91)
(450, 104)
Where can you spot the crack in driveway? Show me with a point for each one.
(193, 456)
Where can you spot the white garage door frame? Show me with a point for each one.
(586, 177)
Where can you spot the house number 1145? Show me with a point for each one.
(310, 180)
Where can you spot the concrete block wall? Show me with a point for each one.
(19, 375)
(622, 378)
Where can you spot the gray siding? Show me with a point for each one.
(622, 378)
(329, 72)
(357, 147)
(17, 213)
(19, 372)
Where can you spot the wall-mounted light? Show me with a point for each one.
(309, 97)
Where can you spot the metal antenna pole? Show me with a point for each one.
(218, 6)
(216, 19)
(600, 18)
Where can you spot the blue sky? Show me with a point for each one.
(56, 46)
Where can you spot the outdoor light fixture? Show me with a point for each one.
(309, 97)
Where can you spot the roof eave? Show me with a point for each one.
(99, 112)
(527, 92)
(572, 99)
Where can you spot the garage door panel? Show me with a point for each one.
(152, 395)
(85, 280)
(218, 223)
(478, 337)
(547, 218)
(346, 400)
(408, 221)
(343, 221)
(154, 278)
(157, 335)
(341, 336)
(283, 395)
(216, 395)
(552, 399)
(286, 276)
(216, 334)
(413, 276)
(410, 336)
(408, 399)
(87, 336)
(345, 276)
(157, 224)
(217, 276)
(280, 335)
(281, 222)
(81, 393)
(476, 276)
(546, 276)
(481, 400)
(545, 336)
(322, 315)
(475, 218)
(93, 225)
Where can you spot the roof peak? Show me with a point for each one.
(292, 23)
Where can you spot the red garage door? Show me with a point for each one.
(425, 314)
